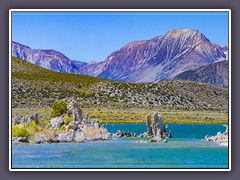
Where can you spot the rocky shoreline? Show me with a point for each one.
(70, 126)
(221, 138)
(67, 127)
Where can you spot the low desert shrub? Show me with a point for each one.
(58, 108)
(44, 123)
(19, 131)
(45, 134)
(62, 128)
(67, 119)
(91, 133)
(32, 128)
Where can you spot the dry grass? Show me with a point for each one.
(138, 115)
(91, 133)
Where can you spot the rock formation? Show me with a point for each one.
(87, 119)
(156, 129)
(34, 117)
(16, 120)
(73, 125)
(219, 138)
(158, 124)
(61, 130)
(149, 126)
(78, 130)
(73, 110)
(25, 119)
(121, 133)
(57, 122)
(66, 136)
(20, 140)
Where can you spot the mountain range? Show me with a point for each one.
(216, 74)
(167, 57)
(49, 59)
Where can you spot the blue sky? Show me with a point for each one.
(92, 36)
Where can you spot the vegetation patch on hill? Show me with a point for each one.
(36, 87)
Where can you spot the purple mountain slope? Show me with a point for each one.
(157, 59)
(49, 59)
(216, 74)
(161, 58)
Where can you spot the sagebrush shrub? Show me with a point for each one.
(32, 128)
(44, 123)
(62, 128)
(19, 131)
(58, 108)
(67, 119)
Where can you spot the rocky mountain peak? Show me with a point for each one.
(157, 59)
(177, 32)
(187, 33)
(161, 58)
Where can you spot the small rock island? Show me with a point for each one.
(221, 138)
(156, 129)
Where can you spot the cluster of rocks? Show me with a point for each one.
(152, 141)
(79, 130)
(25, 119)
(156, 129)
(121, 133)
(83, 129)
(219, 138)
(20, 140)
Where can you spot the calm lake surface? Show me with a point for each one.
(185, 150)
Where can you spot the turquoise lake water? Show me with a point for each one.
(185, 150)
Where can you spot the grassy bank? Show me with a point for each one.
(137, 115)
